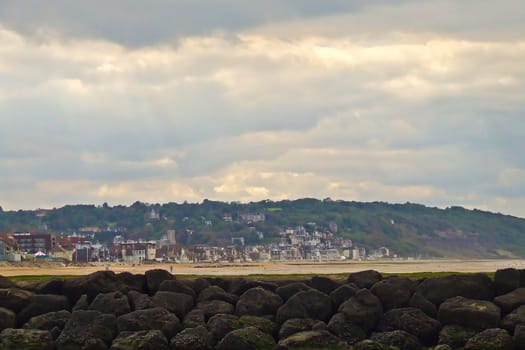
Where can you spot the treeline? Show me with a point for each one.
(409, 229)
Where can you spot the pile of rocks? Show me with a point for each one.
(158, 311)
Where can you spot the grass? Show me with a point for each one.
(39, 278)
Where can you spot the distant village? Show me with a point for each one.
(83, 247)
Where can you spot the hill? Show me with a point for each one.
(408, 229)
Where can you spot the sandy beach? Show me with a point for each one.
(279, 268)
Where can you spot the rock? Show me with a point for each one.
(191, 339)
(26, 339)
(519, 337)
(323, 284)
(506, 281)
(493, 339)
(219, 281)
(258, 302)
(363, 309)
(311, 340)
(6, 283)
(441, 347)
(345, 329)
(394, 292)
(194, 318)
(154, 278)
(7, 318)
(221, 324)
(217, 293)
(240, 285)
(413, 321)
(135, 282)
(41, 304)
(418, 301)
(516, 317)
(246, 339)
(150, 319)
(214, 307)
(139, 301)
(342, 294)
(178, 303)
(476, 314)
(364, 279)
(115, 302)
(289, 290)
(82, 303)
(199, 284)
(295, 325)
(177, 287)
(85, 325)
(307, 304)
(437, 290)
(261, 323)
(53, 286)
(511, 301)
(372, 345)
(92, 285)
(401, 339)
(14, 299)
(53, 322)
(142, 340)
(455, 336)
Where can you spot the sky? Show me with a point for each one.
(171, 101)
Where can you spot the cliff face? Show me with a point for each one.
(158, 311)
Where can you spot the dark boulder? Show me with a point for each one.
(178, 303)
(53, 322)
(92, 285)
(372, 345)
(307, 304)
(154, 278)
(136, 282)
(240, 285)
(342, 294)
(363, 309)
(364, 279)
(413, 321)
(515, 318)
(194, 318)
(150, 319)
(41, 304)
(214, 307)
(476, 314)
(86, 326)
(262, 323)
(455, 336)
(82, 303)
(401, 339)
(53, 286)
(139, 301)
(437, 290)
(519, 337)
(219, 325)
(191, 339)
(324, 284)
(506, 280)
(289, 290)
(217, 293)
(7, 318)
(177, 287)
(418, 301)
(199, 284)
(511, 301)
(142, 340)
(493, 339)
(345, 329)
(394, 292)
(6, 283)
(295, 325)
(249, 338)
(258, 302)
(14, 299)
(26, 339)
(115, 303)
(312, 340)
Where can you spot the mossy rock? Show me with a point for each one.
(26, 339)
(372, 345)
(142, 340)
(309, 340)
(249, 338)
(261, 323)
(490, 339)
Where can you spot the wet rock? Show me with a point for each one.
(214, 307)
(311, 340)
(394, 292)
(26, 339)
(221, 324)
(92, 285)
(516, 317)
(401, 339)
(142, 340)
(261, 323)
(249, 338)
(53, 286)
(154, 278)
(477, 314)
(14, 299)
(258, 302)
(116, 303)
(217, 293)
(85, 325)
(324, 284)
(139, 301)
(342, 294)
(493, 339)
(437, 290)
(307, 304)
(295, 325)
(53, 322)
(506, 280)
(240, 285)
(191, 339)
(150, 319)
(413, 321)
(178, 303)
(289, 290)
(455, 336)
(418, 301)
(194, 318)
(363, 309)
(177, 287)
(82, 303)
(199, 284)
(135, 282)
(511, 301)
(364, 279)
(345, 329)
(40, 304)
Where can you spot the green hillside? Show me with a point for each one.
(409, 229)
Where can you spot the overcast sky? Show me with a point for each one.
(158, 101)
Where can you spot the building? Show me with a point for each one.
(170, 236)
(34, 242)
(250, 218)
(138, 252)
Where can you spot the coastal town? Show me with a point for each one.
(84, 245)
